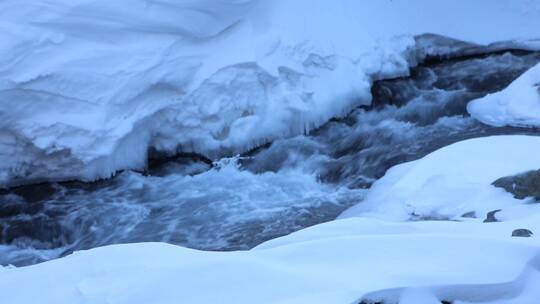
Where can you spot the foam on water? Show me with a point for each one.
(222, 208)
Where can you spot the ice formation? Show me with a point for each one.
(87, 86)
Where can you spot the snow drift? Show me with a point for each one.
(453, 181)
(517, 105)
(87, 86)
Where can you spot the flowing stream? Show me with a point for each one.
(274, 190)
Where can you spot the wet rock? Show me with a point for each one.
(36, 192)
(11, 205)
(521, 186)
(371, 302)
(490, 217)
(182, 163)
(522, 233)
(470, 214)
(38, 229)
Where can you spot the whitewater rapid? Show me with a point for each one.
(292, 183)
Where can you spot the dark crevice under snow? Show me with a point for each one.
(276, 189)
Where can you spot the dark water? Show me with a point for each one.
(272, 191)
(409, 118)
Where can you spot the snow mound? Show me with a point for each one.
(454, 181)
(338, 262)
(517, 105)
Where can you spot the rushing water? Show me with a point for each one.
(271, 191)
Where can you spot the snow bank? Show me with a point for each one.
(517, 105)
(453, 181)
(339, 262)
(86, 86)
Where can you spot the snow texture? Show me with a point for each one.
(517, 105)
(87, 86)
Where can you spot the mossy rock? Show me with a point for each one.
(521, 186)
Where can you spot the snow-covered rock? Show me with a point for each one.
(453, 181)
(86, 86)
(517, 105)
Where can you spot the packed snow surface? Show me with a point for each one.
(87, 86)
(343, 261)
(517, 105)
